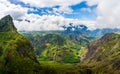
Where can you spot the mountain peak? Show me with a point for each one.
(7, 16)
(6, 24)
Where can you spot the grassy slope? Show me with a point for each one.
(58, 48)
(102, 57)
(14, 59)
(16, 54)
(104, 54)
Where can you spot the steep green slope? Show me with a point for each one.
(16, 52)
(104, 54)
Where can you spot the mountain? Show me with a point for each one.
(61, 49)
(6, 24)
(55, 47)
(104, 54)
(89, 51)
(57, 52)
(16, 51)
(98, 33)
(17, 54)
(82, 30)
(80, 39)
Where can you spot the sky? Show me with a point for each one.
(41, 15)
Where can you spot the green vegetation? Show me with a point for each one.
(57, 53)
(103, 54)
(83, 52)
(58, 68)
(17, 55)
(16, 52)
(57, 48)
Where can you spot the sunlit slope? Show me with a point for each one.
(104, 54)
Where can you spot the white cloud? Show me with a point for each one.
(93, 2)
(108, 13)
(48, 22)
(65, 9)
(107, 10)
(86, 10)
(37, 22)
(16, 11)
(51, 3)
(64, 4)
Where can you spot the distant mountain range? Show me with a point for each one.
(80, 30)
(83, 30)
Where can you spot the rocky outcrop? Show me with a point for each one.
(6, 24)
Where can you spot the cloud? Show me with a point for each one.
(37, 22)
(16, 11)
(86, 10)
(107, 10)
(108, 13)
(48, 22)
(64, 4)
(65, 9)
(51, 3)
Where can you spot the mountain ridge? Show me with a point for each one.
(104, 54)
(6, 24)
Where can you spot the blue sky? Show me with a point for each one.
(77, 13)
(51, 14)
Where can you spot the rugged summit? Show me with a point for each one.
(6, 24)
